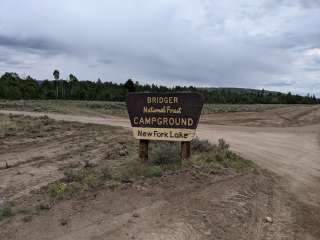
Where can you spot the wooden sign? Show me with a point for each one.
(164, 116)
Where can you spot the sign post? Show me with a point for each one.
(143, 150)
(185, 150)
(165, 117)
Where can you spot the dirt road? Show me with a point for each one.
(291, 152)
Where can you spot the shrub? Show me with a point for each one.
(130, 169)
(91, 181)
(222, 145)
(57, 190)
(5, 210)
(135, 168)
(72, 175)
(106, 173)
(198, 145)
(153, 171)
(86, 178)
(164, 153)
(218, 156)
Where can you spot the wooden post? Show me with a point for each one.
(143, 150)
(185, 150)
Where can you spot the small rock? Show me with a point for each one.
(87, 164)
(123, 153)
(63, 221)
(44, 206)
(141, 188)
(7, 165)
(208, 232)
(135, 215)
(269, 220)
(131, 221)
(126, 180)
(27, 218)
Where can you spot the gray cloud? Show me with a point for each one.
(8, 60)
(106, 61)
(246, 43)
(32, 44)
(279, 84)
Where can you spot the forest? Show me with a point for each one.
(12, 86)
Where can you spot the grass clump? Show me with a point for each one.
(73, 175)
(77, 180)
(58, 190)
(199, 146)
(217, 156)
(153, 171)
(5, 210)
(91, 181)
(135, 168)
(106, 173)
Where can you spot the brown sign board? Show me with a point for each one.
(164, 116)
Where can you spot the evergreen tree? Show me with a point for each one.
(14, 87)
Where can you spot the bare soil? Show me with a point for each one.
(186, 205)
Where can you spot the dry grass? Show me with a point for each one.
(221, 108)
(86, 108)
(100, 108)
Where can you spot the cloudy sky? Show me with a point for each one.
(271, 44)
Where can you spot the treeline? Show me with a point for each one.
(12, 86)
